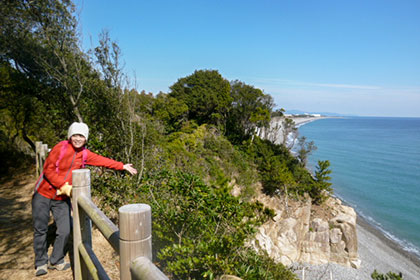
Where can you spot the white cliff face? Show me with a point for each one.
(304, 234)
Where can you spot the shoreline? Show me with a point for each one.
(362, 222)
(379, 252)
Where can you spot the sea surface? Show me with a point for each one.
(375, 165)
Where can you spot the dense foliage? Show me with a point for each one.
(206, 94)
(192, 145)
(200, 230)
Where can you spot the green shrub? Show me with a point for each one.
(389, 276)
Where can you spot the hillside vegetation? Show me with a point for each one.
(191, 145)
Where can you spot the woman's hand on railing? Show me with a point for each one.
(129, 167)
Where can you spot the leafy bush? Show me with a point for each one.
(204, 152)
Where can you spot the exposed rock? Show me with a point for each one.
(335, 235)
(297, 235)
(315, 247)
(356, 263)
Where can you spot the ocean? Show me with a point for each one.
(375, 165)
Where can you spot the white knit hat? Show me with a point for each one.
(78, 128)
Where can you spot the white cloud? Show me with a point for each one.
(344, 86)
(310, 84)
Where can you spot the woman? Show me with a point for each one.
(52, 193)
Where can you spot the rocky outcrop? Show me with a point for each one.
(305, 233)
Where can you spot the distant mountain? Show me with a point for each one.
(329, 114)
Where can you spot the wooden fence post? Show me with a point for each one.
(135, 223)
(44, 152)
(81, 223)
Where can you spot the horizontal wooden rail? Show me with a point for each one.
(143, 269)
(109, 230)
(94, 266)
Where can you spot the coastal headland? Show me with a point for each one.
(276, 131)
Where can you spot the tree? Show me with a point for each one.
(65, 63)
(322, 187)
(207, 95)
(40, 40)
(108, 57)
(116, 104)
(39, 48)
(278, 113)
(288, 127)
(171, 111)
(251, 109)
(305, 149)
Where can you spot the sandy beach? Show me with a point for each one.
(376, 251)
(303, 120)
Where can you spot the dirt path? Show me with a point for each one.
(16, 235)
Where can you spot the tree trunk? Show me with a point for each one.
(29, 141)
(77, 113)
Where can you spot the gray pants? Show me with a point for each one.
(41, 207)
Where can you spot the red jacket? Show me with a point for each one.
(71, 160)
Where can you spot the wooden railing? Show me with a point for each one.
(132, 241)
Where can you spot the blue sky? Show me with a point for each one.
(359, 57)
